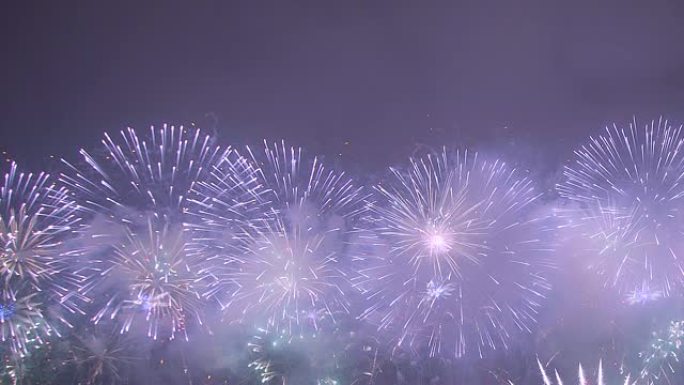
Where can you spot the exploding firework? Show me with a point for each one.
(35, 219)
(643, 295)
(303, 194)
(292, 270)
(23, 320)
(35, 266)
(221, 209)
(661, 359)
(135, 194)
(582, 377)
(159, 278)
(294, 279)
(102, 358)
(627, 191)
(465, 259)
(136, 175)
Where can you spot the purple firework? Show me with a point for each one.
(461, 260)
(135, 193)
(291, 269)
(36, 218)
(625, 199)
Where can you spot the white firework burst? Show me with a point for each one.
(135, 194)
(292, 269)
(626, 196)
(466, 258)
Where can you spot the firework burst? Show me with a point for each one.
(661, 359)
(23, 320)
(465, 260)
(303, 192)
(626, 187)
(161, 282)
(133, 174)
(221, 209)
(102, 358)
(291, 269)
(35, 219)
(35, 266)
(135, 193)
(292, 277)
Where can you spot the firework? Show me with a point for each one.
(291, 278)
(662, 356)
(643, 295)
(582, 378)
(35, 219)
(627, 191)
(134, 174)
(102, 358)
(135, 194)
(23, 320)
(221, 209)
(160, 281)
(462, 260)
(292, 269)
(35, 266)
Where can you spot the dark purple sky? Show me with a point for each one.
(528, 79)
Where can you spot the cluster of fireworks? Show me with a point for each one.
(451, 256)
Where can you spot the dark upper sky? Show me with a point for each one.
(528, 79)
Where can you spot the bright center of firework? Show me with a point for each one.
(435, 289)
(437, 243)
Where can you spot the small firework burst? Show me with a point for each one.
(582, 377)
(102, 357)
(160, 282)
(466, 261)
(627, 192)
(23, 319)
(661, 359)
(643, 295)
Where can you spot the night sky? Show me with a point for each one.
(370, 80)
